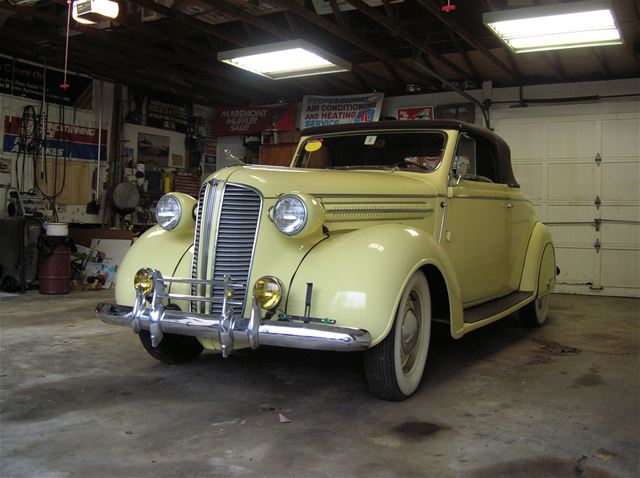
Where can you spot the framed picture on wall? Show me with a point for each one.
(177, 161)
(153, 149)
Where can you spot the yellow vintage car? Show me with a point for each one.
(375, 231)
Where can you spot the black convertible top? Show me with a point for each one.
(502, 148)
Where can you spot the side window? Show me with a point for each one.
(482, 157)
(466, 152)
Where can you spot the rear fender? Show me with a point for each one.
(539, 273)
(358, 277)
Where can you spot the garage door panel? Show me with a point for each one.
(524, 139)
(620, 181)
(620, 226)
(620, 138)
(572, 139)
(620, 268)
(554, 158)
(572, 225)
(530, 178)
(576, 265)
(572, 182)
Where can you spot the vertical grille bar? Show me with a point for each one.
(201, 241)
(230, 237)
(235, 242)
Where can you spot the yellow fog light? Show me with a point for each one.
(144, 280)
(268, 292)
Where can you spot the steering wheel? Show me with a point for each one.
(409, 162)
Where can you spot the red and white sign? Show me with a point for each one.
(415, 113)
(253, 119)
(64, 140)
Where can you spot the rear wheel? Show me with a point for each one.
(172, 349)
(534, 314)
(394, 367)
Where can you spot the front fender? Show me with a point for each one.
(156, 248)
(358, 277)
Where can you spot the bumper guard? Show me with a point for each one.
(228, 329)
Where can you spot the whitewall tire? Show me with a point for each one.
(534, 314)
(394, 367)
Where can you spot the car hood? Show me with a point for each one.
(272, 181)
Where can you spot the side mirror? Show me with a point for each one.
(459, 169)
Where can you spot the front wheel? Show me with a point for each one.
(394, 367)
(172, 349)
(534, 314)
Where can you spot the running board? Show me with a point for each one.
(494, 307)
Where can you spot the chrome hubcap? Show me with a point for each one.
(410, 332)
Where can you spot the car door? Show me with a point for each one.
(476, 232)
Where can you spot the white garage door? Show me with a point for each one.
(580, 165)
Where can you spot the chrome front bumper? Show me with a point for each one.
(227, 329)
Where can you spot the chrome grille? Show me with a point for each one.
(237, 230)
(196, 242)
(231, 243)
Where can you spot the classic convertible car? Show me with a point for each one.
(375, 231)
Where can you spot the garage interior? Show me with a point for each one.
(100, 120)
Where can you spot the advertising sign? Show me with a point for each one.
(74, 141)
(27, 81)
(415, 113)
(168, 114)
(253, 119)
(332, 110)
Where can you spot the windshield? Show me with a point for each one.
(414, 151)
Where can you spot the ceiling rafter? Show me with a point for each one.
(337, 14)
(346, 35)
(286, 87)
(465, 57)
(434, 9)
(226, 8)
(185, 60)
(133, 64)
(86, 64)
(245, 17)
(186, 20)
(388, 8)
(409, 37)
(553, 59)
(603, 63)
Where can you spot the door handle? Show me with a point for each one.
(508, 205)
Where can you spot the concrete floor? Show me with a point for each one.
(83, 399)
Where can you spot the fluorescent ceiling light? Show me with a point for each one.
(90, 12)
(287, 59)
(554, 27)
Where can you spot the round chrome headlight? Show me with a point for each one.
(168, 212)
(268, 292)
(290, 214)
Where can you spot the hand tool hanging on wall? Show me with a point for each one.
(93, 207)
